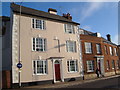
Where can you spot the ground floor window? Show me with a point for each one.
(72, 66)
(113, 64)
(40, 67)
(118, 64)
(90, 65)
(107, 65)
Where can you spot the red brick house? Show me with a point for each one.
(99, 53)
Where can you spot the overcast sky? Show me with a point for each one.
(99, 17)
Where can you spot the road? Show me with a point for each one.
(103, 83)
(108, 83)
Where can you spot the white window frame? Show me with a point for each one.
(71, 46)
(35, 68)
(105, 48)
(117, 64)
(34, 24)
(98, 48)
(44, 44)
(90, 62)
(70, 30)
(115, 50)
(111, 50)
(69, 66)
(88, 47)
(108, 65)
(113, 64)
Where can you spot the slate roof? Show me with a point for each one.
(38, 13)
(104, 40)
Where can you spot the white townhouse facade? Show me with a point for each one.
(46, 44)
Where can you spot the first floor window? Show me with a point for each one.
(40, 67)
(111, 51)
(115, 50)
(71, 46)
(90, 66)
(105, 48)
(72, 65)
(107, 65)
(39, 44)
(113, 64)
(88, 47)
(98, 48)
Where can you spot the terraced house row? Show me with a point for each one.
(51, 49)
(100, 53)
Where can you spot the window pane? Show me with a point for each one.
(88, 48)
(98, 48)
(69, 28)
(108, 66)
(115, 51)
(40, 44)
(41, 67)
(111, 51)
(72, 65)
(33, 44)
(105, 47)
(33, 23)
(71, 46)
(34, 67)
(113, 64)
(90, 66)
(39, 24)
(68, 66)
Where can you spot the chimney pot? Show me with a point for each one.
(68, 16)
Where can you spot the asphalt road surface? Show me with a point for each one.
(108, 83)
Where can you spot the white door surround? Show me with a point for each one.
(61, 70)
(101, 61)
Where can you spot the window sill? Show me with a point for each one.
(38, 29)
(112, 68)
(70, 33)
(40, 51)
(88, 53)
(72, 72)
(72, 52)
(39, 74)
(90, 71)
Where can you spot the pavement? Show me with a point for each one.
(67, 84)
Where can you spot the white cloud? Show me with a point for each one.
(87, 27)
(91, 8)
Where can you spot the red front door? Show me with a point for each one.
(57, 72)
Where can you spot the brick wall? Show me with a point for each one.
(97, 40)
(6, 79)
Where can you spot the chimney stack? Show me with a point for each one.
(68, 16)
(108, 37)
(52, 11)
